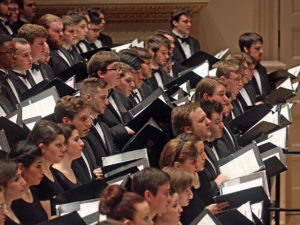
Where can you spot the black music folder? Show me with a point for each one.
(78, 70)
(156, 105)
(267, 124)
(62, 88)
(243, 162)
(88, 55)
(279, 75)
(71, 218)
(200, 57)
(206, 218)
(150, 131)
(84, 192)
(274, 161)
(250, 117)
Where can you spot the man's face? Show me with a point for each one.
(250, 71)
(227, 108)
(38, 48)
(138, 78)
(23, 59)
(219, 95)
(93, 32)
(162, 56)
(82, 121)
(111, 75)
(200, 124)
(4, 8)
(216, 126)
(126, 84)
(184, 25)
(103, 22)
(159, 202)
(70, 34)
(234, 83)
(81, 29)
(255, 50)
(147, 68)
(56, 34)
(99, 101)
(14, 13)
(7, 53)
(29, 10)
(171, 39)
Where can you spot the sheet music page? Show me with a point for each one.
(206, 220)
(191, 95)
(287, 84)
(41, 108)
(202, 70)
(295, 70)
(278, 138)
(272, 155)
(245, 209)
(285, 111)
(14, 118)
(161, 97)
(118, 182)
(121, 47)
(134, 42)
(221, 53)
(140, 44)
(295, 86)
(241, 165)
(30, 125)
(175, 96)
(213, 72)
(184, 87)
(124, 157)
(257, 209)
(71, 82)
(242, 186)
(88, 208)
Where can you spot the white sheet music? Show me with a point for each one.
(278, 138)
(270, 156)
(257, 209)
(241, 165)
(295, 86)
(287, 84)
(285, 112)
(88, 208)
(184, 87)
(202, 70)
(43, 107)
(213, 72)
(121, 47)
(242, 186)
(294, 70)
(245, 209)
(14, 118)
(221, 53)
(206, 220)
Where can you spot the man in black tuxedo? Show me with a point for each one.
(36, 36)
(5, 28)
(104, 38)
(185, 45)
(252, 44)
(95, 92)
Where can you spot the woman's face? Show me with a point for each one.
(33, 175)
(142, 215)
(201, 156)
(174, 210)
(185, 197)
(190, 165)
(54, 151)
(15, 187)
(81, 30)
(74, 145)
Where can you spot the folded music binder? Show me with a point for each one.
(274, 161)
(206, 218)
(78, 70)
(71, 218)
(200, 57)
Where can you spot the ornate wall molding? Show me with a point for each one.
(124, 11)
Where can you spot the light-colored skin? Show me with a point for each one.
(103, 21)
(3, 211)
(126, 84)
(161, 57)
(97, 101)
(81, 29)
(46, 55)
(200, 124)
(14, 190)
(93, 32)
(14, 13)
(142, 215)
(23, 59)
(138, 78)
(172, 216)
(70, 36)
(171, 39)
(4, 9)
(183, 26)
(29, 10)
(159, 202)
(219, 95)
(147, 68)
(111, 75)
(74, 147)
(256, 51)
(6, 59)
(55, 32)
(234, 83)
(38, 48)
(185, 197)
(216, 126)
(201, 156)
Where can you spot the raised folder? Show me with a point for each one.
(78, 70)
(274, 161)
(71, 218)
(278, 138)
(206, 218)
(198, 58)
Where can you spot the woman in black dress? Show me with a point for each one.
(63, 171)
(13, 184)
(28, 208)
(49, 137)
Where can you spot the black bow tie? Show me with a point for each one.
(22, 75)
(210, 144)
(183, 40)
(36, 67)
(155, 71)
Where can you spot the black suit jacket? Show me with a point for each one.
(16, 26)
(105, 40)
(144, 90)
(179, 55)
(164, 77)
(265, 84)
(46, 71)
(251, 93)
(98, 147)
(3, 29)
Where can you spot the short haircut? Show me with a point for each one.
(142, 52)
(171, 154)
(67, 21)
(4, 38)
(207, 85)
(180, 117)
(249, 59)
(68, 106)
(46, 19)
(149, 179)
(125, 68)
(180, 179)
(163, 32)
(156, 41)
(67, 130)
(20, 3)
(224, 68)
(44, 131)
(99, 61)
(8, 169)
(94, 16)
(131, 59)
(26, 153)
(247, 39)
(78, 17)
(31, 32)
(177, 13)
(21, 41)
(90, 85)
(236, 56)
(210, 107)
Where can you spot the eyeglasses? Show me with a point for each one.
(114, 69)
(236, 79)
(12, 52)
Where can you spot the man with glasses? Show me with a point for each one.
(27, 13)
